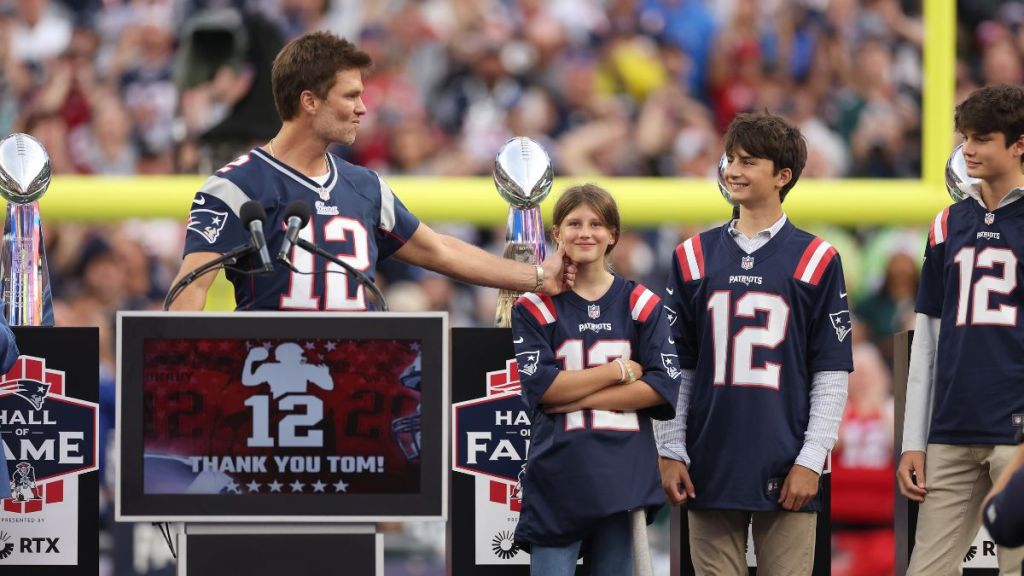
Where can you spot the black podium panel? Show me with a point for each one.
(477, 354)
(279, 554)
(53, 407)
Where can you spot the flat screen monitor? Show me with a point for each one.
(281, 417)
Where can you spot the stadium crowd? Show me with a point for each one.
(609, 87)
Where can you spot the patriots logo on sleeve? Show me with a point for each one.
(671, 315)
(841, 323)
(528, 362)
(671, 363)
(207, 223)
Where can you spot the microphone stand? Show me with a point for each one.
(227, 258)
(352, 272)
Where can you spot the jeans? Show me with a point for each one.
(611, 552)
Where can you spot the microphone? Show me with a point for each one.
(253, 216)
(296, 216)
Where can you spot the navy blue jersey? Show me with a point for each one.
(971, 280)
(587, 465)
(356, 216)
(755, 328)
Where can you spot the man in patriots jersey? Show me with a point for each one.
(596, 364)
(317, 84)
(761, 323)
(965, 398)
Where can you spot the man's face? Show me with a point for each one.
(753, 181)
(988, 157)
(336, 117)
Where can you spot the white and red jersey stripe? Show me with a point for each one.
(691, 259)
(815, 260)
(939, 229)
(540, 306)
(642, 302)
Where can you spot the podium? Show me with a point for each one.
(281, 439)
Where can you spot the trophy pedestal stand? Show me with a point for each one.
(276, 549)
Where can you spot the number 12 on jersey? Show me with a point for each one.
(743, 342)
(600, 353)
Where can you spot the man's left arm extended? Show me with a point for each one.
(462, 261)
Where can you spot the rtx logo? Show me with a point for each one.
(6, 546)
(35, 546)
(988, 548)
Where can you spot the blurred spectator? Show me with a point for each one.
(890, 309)
(40, 31)
(223, 68)
(862, 472)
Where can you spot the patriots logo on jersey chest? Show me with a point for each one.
(594, 311)
(324, 209)
(747, 262)
(207, 223)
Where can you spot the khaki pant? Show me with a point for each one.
(957, 479)
(783, 542)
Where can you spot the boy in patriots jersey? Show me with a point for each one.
(760, 320)
(596, 365)
(965, 389)
(317, 84)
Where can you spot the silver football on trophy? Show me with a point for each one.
(957, 180)
(723, 186)
(522, 173)
(24, 169)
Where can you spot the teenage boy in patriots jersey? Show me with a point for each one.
(317, 84)
(596, 365)
(965, 390)
(760, 319)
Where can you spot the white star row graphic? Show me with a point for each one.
(296, 486)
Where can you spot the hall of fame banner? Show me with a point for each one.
(256, 417)
(490, 441)
(49, 435)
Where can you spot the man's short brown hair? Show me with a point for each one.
(767, 136)
(997, 109)
(312, 62)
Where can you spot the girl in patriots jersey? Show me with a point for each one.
(762, 326)
(596, 364)
(965, 388)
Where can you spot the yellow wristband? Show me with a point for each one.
(540, 278)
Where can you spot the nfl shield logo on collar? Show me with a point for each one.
(594, 311)
(989, 218)
(747, 262)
